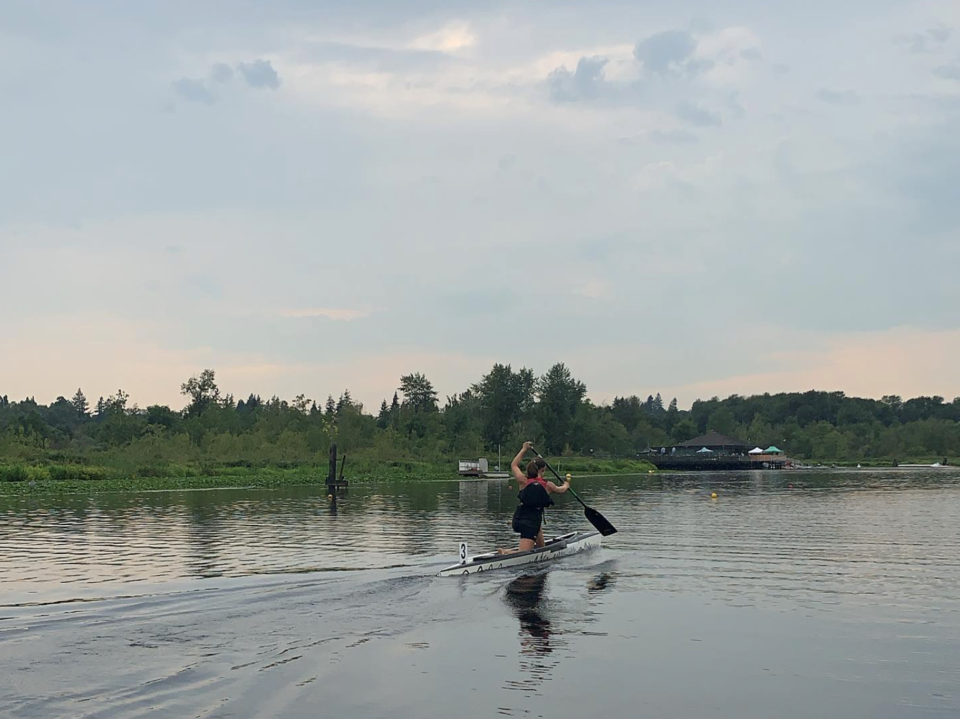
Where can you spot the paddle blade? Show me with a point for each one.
(599, 521)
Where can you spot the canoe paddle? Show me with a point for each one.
(592, 515)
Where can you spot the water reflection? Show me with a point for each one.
(601, 583)
(523, 595)
(539, 638)
(546, 624)
(824, 535)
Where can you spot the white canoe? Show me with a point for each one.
(555, 548)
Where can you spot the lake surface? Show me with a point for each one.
(792, 594)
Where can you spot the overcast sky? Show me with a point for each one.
(695, 198)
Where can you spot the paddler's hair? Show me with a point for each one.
(534, 466)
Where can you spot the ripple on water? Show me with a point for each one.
(876, 535)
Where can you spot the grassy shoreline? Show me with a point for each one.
(51, 478)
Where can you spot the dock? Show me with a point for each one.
(717, 452)
(480, 469)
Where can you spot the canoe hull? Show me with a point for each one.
(555, 548)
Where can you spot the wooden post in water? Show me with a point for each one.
(332, 474)
(333, 481)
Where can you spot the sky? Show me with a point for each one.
(693, 198)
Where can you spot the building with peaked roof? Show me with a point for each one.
(715, 451)
(715, 442)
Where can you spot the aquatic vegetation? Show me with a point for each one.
(46, 477)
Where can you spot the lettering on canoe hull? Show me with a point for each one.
(566, 545)
(537, 559)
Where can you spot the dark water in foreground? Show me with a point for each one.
(836, 597)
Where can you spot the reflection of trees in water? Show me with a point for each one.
(204, 534)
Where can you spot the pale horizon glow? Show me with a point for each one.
(341, 314)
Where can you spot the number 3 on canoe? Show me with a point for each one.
(463, 552)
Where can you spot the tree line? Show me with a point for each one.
(503, 408)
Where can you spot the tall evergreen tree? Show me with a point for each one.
(345, 401)
(331, 406)
(395, 411)
(80, 404)
(383, 419)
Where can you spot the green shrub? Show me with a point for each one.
(60, 472)
(151, 471)
(13, 473)
(70, 472)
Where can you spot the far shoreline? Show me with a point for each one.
(50, 479)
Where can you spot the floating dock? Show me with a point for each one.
(479, 468)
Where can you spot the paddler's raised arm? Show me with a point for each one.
(518, 473)
(554, 489)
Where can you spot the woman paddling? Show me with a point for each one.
(534, 497)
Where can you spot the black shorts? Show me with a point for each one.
(528, 522)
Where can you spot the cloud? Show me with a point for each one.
(948, 72)
(663, 174)
(194, 91)
(452, 37)
(594, 289)
(698, 116)
(919, 169)
(376, 57)
(197, 90)
(370, 115)
(670, 53)
(940, 33)
(908, 361)
(751, 53)
(336, 314)
(838, 97)
(781, 68)
(676, 137)
(583, 84)
(259, 73)
(221, 73)
(929, 41)
(734, 105)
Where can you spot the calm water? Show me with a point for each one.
(790, 595)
